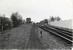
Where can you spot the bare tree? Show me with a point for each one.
(5, 23)
(52, 19)
(58, 18)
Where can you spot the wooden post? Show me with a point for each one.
(41, 33)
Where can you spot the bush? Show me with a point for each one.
(5, 23)
(16, 19)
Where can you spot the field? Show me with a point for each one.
(16, 37)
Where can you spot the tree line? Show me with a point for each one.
(7, 23)
(52, 18)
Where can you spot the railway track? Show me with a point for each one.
(58, 32)
(63, 30)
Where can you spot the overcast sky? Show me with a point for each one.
(37, 9)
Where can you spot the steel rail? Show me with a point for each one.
(57, 33)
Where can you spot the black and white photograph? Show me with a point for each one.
(36, 25)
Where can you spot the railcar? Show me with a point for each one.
(28, 20)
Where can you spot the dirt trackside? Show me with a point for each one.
(17, 39)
